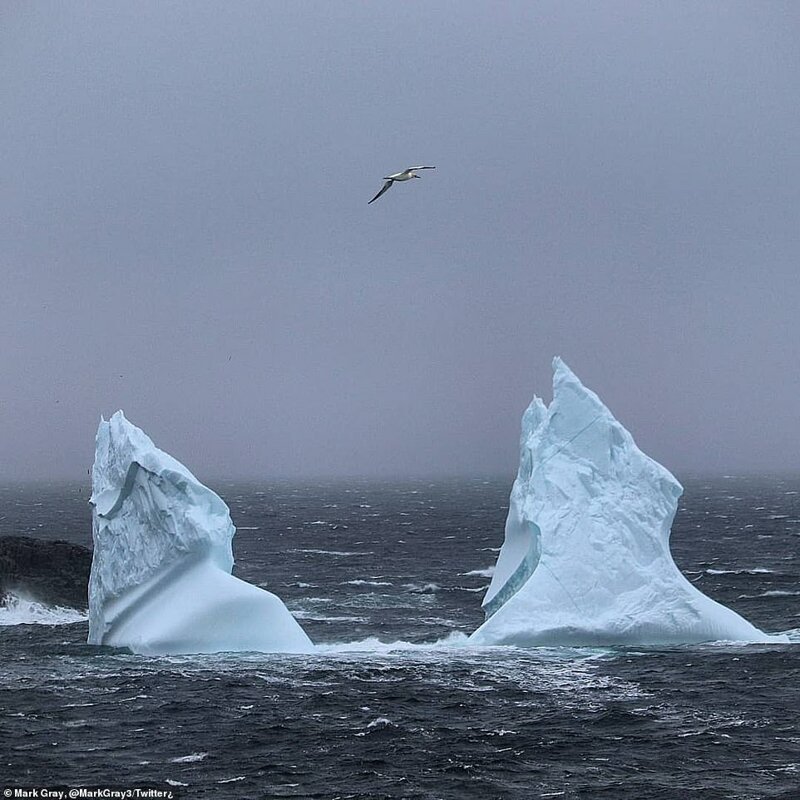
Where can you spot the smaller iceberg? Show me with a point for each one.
(161, 580)
(586, 557)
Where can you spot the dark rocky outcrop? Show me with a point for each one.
(52, 572)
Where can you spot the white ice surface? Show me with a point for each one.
(160, 580)
(586, 557)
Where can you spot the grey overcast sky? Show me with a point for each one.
(184, 230)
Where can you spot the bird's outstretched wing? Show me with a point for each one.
(385, 187)
(411, 168)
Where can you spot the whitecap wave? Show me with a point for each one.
(381, 722)
(375, 645)
(188, 759)
(317, 617)
(360, 582)
(422, 588)
(487, 572)
(755, 571)
(21, 610)
(333, 552)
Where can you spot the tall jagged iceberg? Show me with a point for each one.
(161, 571)
(586, 557)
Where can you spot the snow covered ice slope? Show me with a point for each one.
(161, 572)
(586, 557)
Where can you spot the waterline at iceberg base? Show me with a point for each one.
(586, 558)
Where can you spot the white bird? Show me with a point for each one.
(405, 175)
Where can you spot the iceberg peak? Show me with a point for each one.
(586, 558)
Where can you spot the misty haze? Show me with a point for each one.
(185, 234)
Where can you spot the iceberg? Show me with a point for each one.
(586, 558)
(160, 581)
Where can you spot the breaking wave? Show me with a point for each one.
(20, 610)
(374, 645)
(332, 552)
(755, 571)
(488, 572)
(360, 582)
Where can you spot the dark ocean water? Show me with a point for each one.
(390, 578)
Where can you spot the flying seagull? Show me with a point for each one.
(405, 175)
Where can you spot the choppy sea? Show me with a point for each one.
(389, 577)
